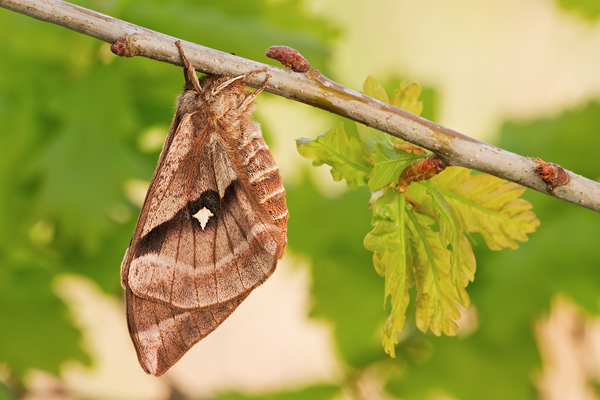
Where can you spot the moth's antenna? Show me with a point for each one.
(189, 72)
(237, 78)
(229, 82)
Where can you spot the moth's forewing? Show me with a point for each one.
(182, 151)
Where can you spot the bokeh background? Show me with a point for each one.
(80, 133)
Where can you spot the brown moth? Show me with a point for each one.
(213, 224)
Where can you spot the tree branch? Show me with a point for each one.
(314, 89)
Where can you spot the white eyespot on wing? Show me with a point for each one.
(203, 216)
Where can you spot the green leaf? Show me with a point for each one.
(370, 137)
(389, 242)
(452, 233)
(342, 154)
(389, 163)
(373, 89)
(436, 296)
(488, 205)
(406, 97)
(407, 250)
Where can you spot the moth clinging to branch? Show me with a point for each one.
(213, 224)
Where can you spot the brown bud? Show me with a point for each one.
(288, 57)
(420, 170)
(553, 174)
(121, 48)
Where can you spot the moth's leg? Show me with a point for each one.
(189, 72)
(252, 96)
(237, 78)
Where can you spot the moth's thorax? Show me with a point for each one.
(223, 106)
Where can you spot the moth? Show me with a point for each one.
(213, 224)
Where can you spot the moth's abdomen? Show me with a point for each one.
(271, 194)
(263, 174)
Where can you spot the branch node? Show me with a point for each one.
(126, 47)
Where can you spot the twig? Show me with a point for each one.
(314, 89)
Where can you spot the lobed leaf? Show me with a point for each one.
(389, 242)
(370, 138)
(389, 162)
(343, 154)
(488, 205)
(436, 295)
(373, 89)
(407, 248)
(451, 230)
(406, 97)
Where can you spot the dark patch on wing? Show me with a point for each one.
(152, 242)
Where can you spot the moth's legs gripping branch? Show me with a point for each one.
(252, 96)
(190, 75)
(189, 72)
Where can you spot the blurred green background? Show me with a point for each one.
(81, 130)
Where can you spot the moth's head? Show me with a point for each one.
(220, 95)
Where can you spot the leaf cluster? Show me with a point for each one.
(420, 238)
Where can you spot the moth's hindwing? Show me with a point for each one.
(163, 334)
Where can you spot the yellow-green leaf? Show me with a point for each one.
(389, 241)
(343, 154)
(406, 97)
(373, 89)
(488, 205)
(388, 164)
(452, 233)
(370, 137)
(437, 297)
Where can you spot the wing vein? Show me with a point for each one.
(231, 246)
(215, 240)
(174, 266)
(249, 241)
(194, 266)
(189, 116)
